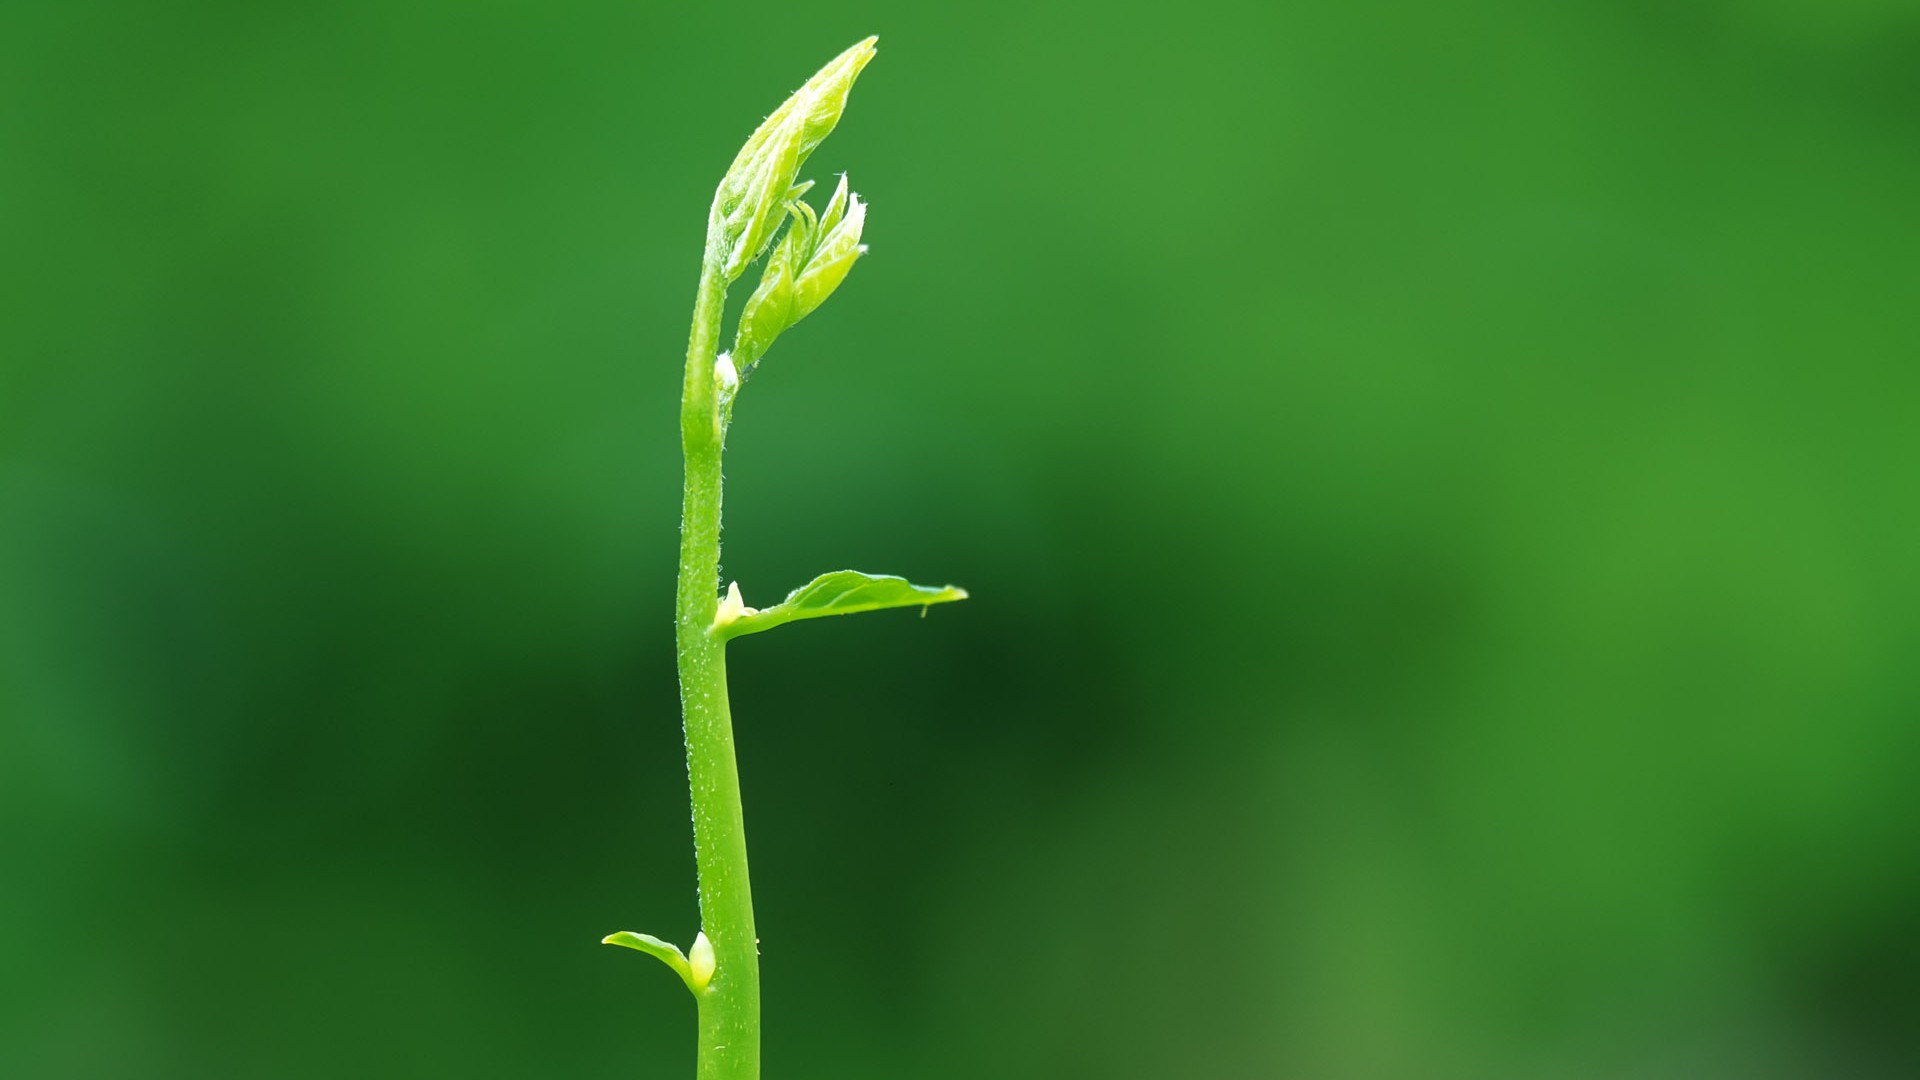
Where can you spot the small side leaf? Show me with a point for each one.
(665, 952)
(842, 592)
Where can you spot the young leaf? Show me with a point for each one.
(807, 265)
(842, 592)
(665, 952)
(751, 200)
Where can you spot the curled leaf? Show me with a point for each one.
(808, 264)
(751, 200)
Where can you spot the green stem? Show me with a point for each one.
(730, 1004)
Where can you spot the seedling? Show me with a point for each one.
(759, 192)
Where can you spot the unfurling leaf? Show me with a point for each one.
(842, 592)
(753, 195)
(810, 261)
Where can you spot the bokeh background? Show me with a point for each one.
(1437, 482)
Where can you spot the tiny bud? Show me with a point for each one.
(700, 961)
(724, 374)
(732, 608)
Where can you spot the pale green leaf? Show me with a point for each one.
(665, 952)
(842, 592)
(750, 202)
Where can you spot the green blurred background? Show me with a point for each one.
(1437, 482)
